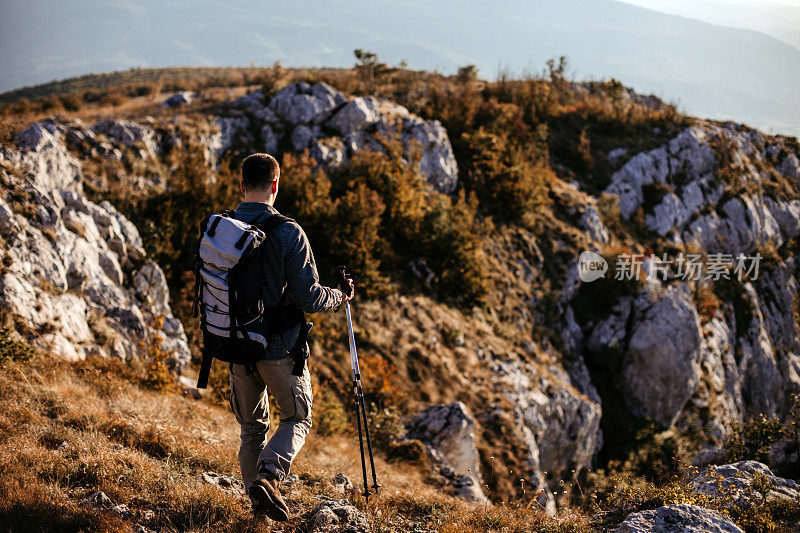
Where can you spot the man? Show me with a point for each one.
(291, 276)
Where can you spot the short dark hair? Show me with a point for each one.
(259, 170)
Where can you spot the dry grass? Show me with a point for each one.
(147, 449)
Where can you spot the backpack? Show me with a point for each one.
(230, 294)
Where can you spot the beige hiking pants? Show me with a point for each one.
(250, 404)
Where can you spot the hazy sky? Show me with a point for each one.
(710, 70)
(777, 18)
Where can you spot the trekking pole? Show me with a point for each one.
(358, 391)
(354, 355)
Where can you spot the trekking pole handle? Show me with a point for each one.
(344, 279)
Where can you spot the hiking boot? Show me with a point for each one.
(267, 499)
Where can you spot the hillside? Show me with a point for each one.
(709, 70)
(462, 206)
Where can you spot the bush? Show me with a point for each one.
(13, 348)
(329, 414)
(753, 439)
(386, 216)
(508, 182)
(705, 301)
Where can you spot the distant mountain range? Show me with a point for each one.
(709, 70)
(777, 19)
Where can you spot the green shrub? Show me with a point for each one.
(385, 217)
(753, 439)
(329, 414)
(13, 348)
(508, 180)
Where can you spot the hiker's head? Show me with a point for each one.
(260, 176)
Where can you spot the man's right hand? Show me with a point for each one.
(351, 292)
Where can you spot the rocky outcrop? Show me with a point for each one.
(332, 128)
(735, 482)
(715, 190)
(129, 134)
(76, 271)
(448, 431)
(451, 430)
(682, 181)
(559, 424)
(661, 367)
(679, 518)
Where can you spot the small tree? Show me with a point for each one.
(556, 70)
(467, 74)
(370, 69)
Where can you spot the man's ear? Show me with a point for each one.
(274, 187)
(241, 186)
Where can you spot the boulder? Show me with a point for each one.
(437, 162)
(449, 429)
(301, 104)
(559, 424)
(661, 367)
(301, 137)
(735, 481)
(128, 133)
(150, 286)
(687, 158)
(270, 140)
(179, 99)
(334, 516)
(680, 518)
(329, 151)
(44, 157)
(6, 217)
(322, 120)
(355, 116)
(790, 167)
(231, 130)
(592, 223)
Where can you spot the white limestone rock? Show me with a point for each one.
(736, 480)
(661, 367)
(680, 518)
(450, 429)
(129, 133)
(300, 103)
(75, 245)
(592, 223)
(355, 116)
(179, 99)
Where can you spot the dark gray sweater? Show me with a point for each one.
(294, 271)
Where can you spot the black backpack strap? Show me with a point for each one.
(205, 369)
(299, 352)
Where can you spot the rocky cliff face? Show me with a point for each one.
(723, 193)
(74, 272)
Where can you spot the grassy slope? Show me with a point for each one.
(177, 77)
(148, 449)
